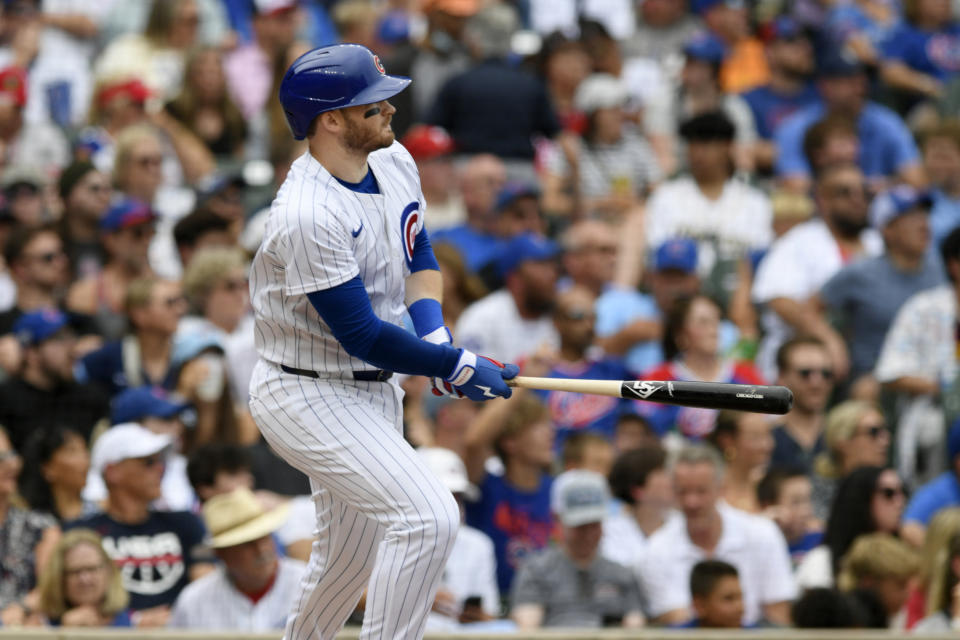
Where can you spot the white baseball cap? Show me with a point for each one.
(579, 497)
(126, 441)
(600, 91)
(447, 465)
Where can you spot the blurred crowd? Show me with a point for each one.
(748, 191)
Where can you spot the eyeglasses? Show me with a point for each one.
(147, 162)
(873, 431)
(78, 571)
(47, 258)
(889, 493)
(806, 374)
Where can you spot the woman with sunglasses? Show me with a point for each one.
(691, 346)
(855, 436)
(27, 538)
(869, 500)
(81, 586)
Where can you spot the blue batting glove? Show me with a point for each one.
(480, 378)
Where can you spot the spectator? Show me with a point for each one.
(869, 500)
(24, 144)
(481, 179)
(855, 435)
(883, 564)
(929, 592)
(460, 287)
(56, 461)
(887, 149)
(27, 537)
(917, 361)
(590, 257)
(252, 589)
(663, 27)
(940, 493)
(910, 62)
(38, 265)
(799, 263)
(589, 451)
(943, 606)
(783, 495)
(513, 508)
(859, 28)
(217, 468)
(154, 308)
(493, 107)
(691, 349)
(431, 148)
(866, 295)
(85, 194)
(23, 190)
(633, 431)
(43, 392)
(789, 210)
(611, 168)
(790, 58)
(469, 591)
(515, 320)
(728, 20)
(215, 283)
(699, 93)
(745, 442)
(716, 595)
(709, 527)
(81, 586)
(158, 552)
(518, 210)
(571, 585)
(201, 229)
(834, 139)
(803, 366)
(125, 234)
(640, 481)
(203, 105)
(726, 216)
(563, 63)
(941, 161)
(822, 608)
(571, 413)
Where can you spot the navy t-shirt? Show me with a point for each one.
(519, 522)
(155, 556)
(104, 367)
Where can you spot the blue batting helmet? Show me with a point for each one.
(328, 78)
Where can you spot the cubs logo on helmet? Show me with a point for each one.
(379, 65)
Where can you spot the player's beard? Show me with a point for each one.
(358, 138)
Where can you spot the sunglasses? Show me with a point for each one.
(806, 374)
(874, 432)
(889, 493)
(78, 571)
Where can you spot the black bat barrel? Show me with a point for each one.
(711, 395)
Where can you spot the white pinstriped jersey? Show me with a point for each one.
(320, 234)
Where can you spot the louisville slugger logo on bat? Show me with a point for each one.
(643, 389)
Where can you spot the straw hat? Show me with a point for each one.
(238, 517)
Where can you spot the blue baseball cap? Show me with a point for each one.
(125, 213)
(514, 190)
(35, 327)
(890, 205)
(132, 405)
(523, 247)
(782, 28)
(702, 6)
(836, 65)
(679, 254)
(705, 47)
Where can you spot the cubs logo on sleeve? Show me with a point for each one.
(410, 226)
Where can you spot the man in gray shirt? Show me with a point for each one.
(571, 585)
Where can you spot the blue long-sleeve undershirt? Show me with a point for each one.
(346, 310)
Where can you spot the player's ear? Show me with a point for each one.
(331, 121)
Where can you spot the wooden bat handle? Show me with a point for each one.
(596, 387)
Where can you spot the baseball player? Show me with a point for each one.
(344, 255)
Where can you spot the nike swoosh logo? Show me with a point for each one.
(357, 232)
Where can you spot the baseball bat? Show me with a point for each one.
(705, 395)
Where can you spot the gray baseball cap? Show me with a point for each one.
(579, 497)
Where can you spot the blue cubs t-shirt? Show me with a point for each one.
(576, 412)
(940, 493)
(936, 53)
(519, 522)
(476, 248)
(770, 108)
(155, 556)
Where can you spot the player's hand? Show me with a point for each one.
(439, 386)
(480, 378)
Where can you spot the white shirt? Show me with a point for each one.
(623, 541)
(754, 545)
(321, 234)
(797, 266)
(920, 341)
(816, 569)
(492, 326)
(212, 603)
(740, 220)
